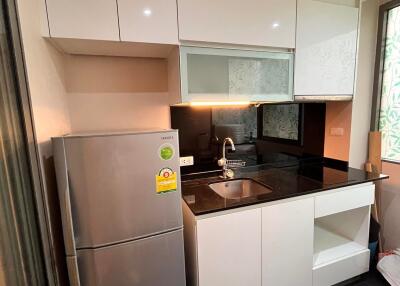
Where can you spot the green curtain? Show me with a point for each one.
(21, 261)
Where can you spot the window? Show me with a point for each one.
(281, 123)
(387, 81)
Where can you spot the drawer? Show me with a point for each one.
(344, 200)
(342, 269)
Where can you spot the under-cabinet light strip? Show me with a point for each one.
(219, 103)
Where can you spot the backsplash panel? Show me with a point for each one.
(203, 129)
(281, 121)
(247, 117)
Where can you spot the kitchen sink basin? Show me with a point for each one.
(240, 188)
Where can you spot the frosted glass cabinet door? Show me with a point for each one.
(326, 47)
(210, 74)
(83, 19)
(252, 22)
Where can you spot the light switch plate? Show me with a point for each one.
(186, 161)
(337, 131)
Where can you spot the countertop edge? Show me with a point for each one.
(261, 201)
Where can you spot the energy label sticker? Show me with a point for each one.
(166, 181)
(166, 151)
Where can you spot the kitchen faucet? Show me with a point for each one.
(223, 162)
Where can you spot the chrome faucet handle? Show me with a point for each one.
(227, 139)
(223, 162)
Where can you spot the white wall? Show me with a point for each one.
(116, 93)
(390, 206)
(361, 110)
(389, 190)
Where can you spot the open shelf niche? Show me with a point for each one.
(340, 235)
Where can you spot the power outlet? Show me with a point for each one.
(186, 161)
(337, 131)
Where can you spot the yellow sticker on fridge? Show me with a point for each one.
(166, 181)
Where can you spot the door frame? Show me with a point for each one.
(25, 106)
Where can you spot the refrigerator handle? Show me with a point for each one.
(68, 229)
(60, 163)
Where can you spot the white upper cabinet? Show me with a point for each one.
(268, 23)
(326, 44)
(83, 19)
(148, 21)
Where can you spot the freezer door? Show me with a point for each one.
(112, 187)
(157, 260)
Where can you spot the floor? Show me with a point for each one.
(372, 278)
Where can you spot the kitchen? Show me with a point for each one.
(291, 83)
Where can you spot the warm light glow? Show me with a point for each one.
(275, 25)
(219, 103)
(147, 12)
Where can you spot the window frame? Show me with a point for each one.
(260, 126)
(379, 65)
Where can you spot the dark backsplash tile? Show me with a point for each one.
(202, 131)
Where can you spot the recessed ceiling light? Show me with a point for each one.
(275, 25)
(147, 12)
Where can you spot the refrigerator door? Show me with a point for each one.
(157, 260)
(112, 187)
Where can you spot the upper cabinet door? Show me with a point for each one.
(252, 22)
(326, 44)
(149, 21)
(83, 19)
(213, 74)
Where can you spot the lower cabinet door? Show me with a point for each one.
(287, 243)
(229, 249)
(341, 269)
(152, 261)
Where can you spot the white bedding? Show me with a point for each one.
(389, 266)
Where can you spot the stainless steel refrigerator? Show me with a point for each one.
(121, 211)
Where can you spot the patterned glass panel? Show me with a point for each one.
(389, 121)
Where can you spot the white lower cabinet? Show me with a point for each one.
(287, 243)
(341, 269)
(229, 249)
(317, 240)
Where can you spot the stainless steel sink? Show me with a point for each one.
(240, 188)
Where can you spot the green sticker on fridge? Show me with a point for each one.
(166, 151)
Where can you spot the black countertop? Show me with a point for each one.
(286, 181)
